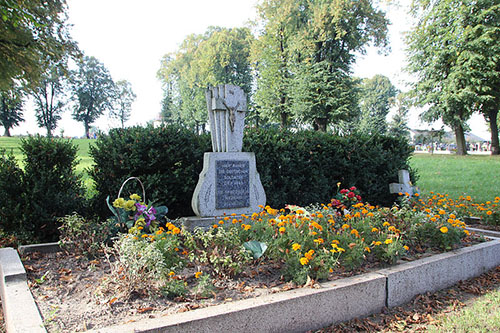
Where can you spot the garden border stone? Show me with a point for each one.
(295, 310)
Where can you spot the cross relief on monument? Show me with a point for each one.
(227, 106)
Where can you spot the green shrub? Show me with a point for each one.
(51, 187)
(11, 193)
(167, 160)
(304, 167)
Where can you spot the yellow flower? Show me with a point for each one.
(441, 212)
(282, 230)
(452, 216)
(319, 241)
(176, 231)
(443, 230)
(309, 254)
(340, 249)
(355, 232)
(433, 219)
(406, 248)
(489, 212)
(370, 214)
(388, 241)
(221, 222)
(198, 274)
(135, 197)
(171, 274)
(367, 249)
(346, 226)
(320, 215)
(119, 203)
(304, 261)
(386, 224)
(374, 229)
(296, 247)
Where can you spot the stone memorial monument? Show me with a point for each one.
(229, 182)
(404, 185)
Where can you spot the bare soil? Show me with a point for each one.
(69, 291)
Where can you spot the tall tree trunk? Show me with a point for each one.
(321, 124)
(493, 115)
(460, 138)
(87, 129)
(49, 133)
(7, 132)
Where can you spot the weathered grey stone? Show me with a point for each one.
(19, 308)
(297, 310)
(407, 280)
(11, 267)
(227, 105)
(404, 185)
(229, 183)
(43, 248)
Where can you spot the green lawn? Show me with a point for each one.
(474, 175)
(12, 145)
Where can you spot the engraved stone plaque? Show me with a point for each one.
(232, 184)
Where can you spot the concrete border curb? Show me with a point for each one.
(291, 311)
(42, 247)
(19, 309)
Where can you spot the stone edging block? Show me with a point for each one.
(19, 309)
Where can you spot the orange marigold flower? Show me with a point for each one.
(367, 249)
(385, 224)
(406, 248)
(441, 212)
(215, 226)
(443, 230)
(388, 241)
(319, 240)
(296, 246)
(375, 229)
(489, 212)
(355, 232)
(198, 274)
(171, 274)
(345, 226)
(309, 254)
(304, 261)
(282, 230)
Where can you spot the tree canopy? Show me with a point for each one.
(11, 108)
(30, 33)
(219, 56)
(453, 50)
(124, 98)
(93, 90)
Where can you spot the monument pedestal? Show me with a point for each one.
(229, 183)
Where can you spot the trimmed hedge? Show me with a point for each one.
(168, 161)
(304, 167)
(295, 167)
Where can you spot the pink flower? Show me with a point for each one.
(343, 191)
(353, 188)
(350, 195)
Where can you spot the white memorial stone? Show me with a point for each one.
(229, 182)
(404, 185)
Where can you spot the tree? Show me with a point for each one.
(50, 98)
(399, 125)
(11, 108)
(376, 97)
(311, 47)
(94, 91)
(124, 98)
(454, 52)
(29, 31)
(219, 56)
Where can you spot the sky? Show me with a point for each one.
(131, 39)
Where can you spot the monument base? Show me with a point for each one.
(229, 184)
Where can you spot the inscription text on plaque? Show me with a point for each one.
(232, 184)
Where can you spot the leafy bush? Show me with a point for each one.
(295, 167)
(168, 161)
(11, 193)
(51, 187)
(82, 236)
(304, 167)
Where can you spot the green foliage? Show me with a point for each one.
(11, 193)
(85, 237)
(168, 160)
(51, 188)
(124, 98)
(222, 248)
(453, 50)
(256, 248)
(94, 91)
(32, 32)
(304, 56)
(304, 167)
(376, 97)
(11, 108)
(145, 266)
(219, 56)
